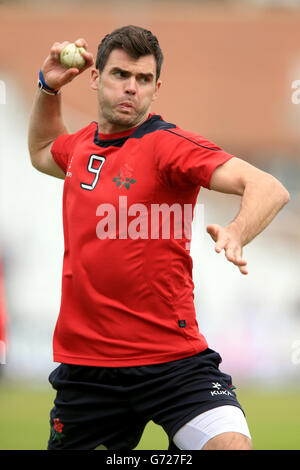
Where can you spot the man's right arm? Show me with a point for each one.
(46, 124)
(46, 120)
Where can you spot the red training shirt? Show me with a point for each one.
(127, 288)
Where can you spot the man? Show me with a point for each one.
(127, 336)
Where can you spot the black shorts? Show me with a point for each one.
(110, 406)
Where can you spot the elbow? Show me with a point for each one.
(286, 197)
(281, 192)
(35, 164)
(38, 155)
(32, 153)
(34, 158)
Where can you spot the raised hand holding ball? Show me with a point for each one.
(65, 62)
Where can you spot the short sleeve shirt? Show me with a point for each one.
(128, 203)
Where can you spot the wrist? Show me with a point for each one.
(46, 88)
(239, 228)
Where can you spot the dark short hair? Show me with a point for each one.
(135, 41)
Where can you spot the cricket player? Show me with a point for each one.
(127, 340)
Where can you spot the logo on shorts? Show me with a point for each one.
(57, 430)
(217, 386)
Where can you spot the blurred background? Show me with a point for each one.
(232, 74)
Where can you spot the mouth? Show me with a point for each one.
(126, 105)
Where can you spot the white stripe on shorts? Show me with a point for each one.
(195, 434)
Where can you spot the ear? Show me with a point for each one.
(157, 88)
(94, 78)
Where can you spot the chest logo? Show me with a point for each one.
(124, 177)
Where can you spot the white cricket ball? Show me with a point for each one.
(71, 56)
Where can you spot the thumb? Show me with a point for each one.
(213, 231)
(218, 235)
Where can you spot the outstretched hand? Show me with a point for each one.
(55, 74)
(227, 239)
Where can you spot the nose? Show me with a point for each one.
(131, 86)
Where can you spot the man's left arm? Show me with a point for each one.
(262, 198)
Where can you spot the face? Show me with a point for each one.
(126, 89)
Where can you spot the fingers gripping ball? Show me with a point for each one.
(71, 56)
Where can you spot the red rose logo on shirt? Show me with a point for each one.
(124, 177)
(126, 171)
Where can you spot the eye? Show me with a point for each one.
(145, 79)
(120, 74)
